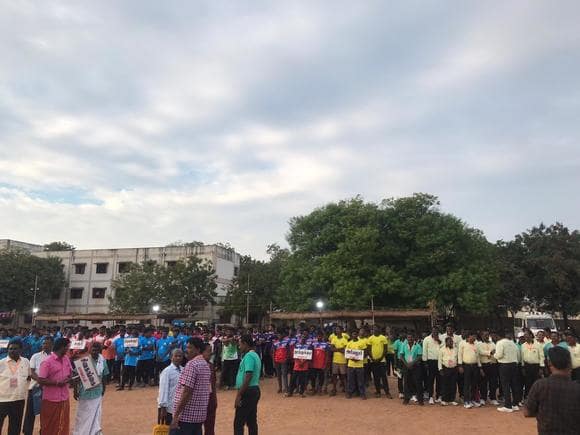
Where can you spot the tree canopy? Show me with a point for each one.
(18, 270)
(401, 253)
(262, 278)
(185, 287)
(58, 246)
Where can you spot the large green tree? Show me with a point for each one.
(262, 278)
(18, 271)
(185, 287)
(402, 252)
(552, 267)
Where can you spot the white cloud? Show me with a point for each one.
(155, 123)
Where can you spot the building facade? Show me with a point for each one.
(90, 274)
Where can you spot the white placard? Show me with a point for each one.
(303, 354)
(87, 372)
(4, 344)
(77, 344)
(355, 354)
(131, 342)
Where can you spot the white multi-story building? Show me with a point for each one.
(90, 274)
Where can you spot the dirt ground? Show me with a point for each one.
(135, 412)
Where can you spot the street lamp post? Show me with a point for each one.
(34, 307)
(248, 293)
(320, 306)
(155, 308)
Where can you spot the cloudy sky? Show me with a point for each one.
(138, 123)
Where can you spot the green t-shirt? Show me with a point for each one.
(250, 363)
(230, 352)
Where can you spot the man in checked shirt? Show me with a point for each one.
(554, 401)
(192, 393)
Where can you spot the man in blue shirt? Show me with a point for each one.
(146, 364)
(118, 344)
(130, 362)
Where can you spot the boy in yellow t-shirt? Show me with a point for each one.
(337, 345)
(355, 371)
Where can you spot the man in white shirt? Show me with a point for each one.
(34, 391)
(431, 346)
(14, 372)
(168, 380)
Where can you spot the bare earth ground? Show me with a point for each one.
(135, 412)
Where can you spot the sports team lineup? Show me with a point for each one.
(186, 367)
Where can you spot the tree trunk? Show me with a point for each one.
(565, 317)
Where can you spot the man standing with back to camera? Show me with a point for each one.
(555, 400)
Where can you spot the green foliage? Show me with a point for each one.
(402, 253)
(264, 283)
(58, 246)
(18, 269)
(552, 267)
(184, 288)
(181, 243)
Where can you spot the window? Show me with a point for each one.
(171, 264)
(124, 266)
(99, 293)
(76, 293)
(236, 270)
(80, 268)
(102, 267)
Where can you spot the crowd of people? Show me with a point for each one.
(37, 370)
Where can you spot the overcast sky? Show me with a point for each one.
(138, 123)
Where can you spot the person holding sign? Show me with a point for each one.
(54, 376)
(89, 409)
(14, 371)
(410, 355)
(302, 357)
(132, 351)
(355, 353)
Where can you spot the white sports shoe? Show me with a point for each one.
(444, 403)
(414, 399)
(482, 402)
(494, 402)
(431, 401)
(438, 400)
(516, 408)
(476, 404)
(401, 395)
(504, 409)
(454, 403)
